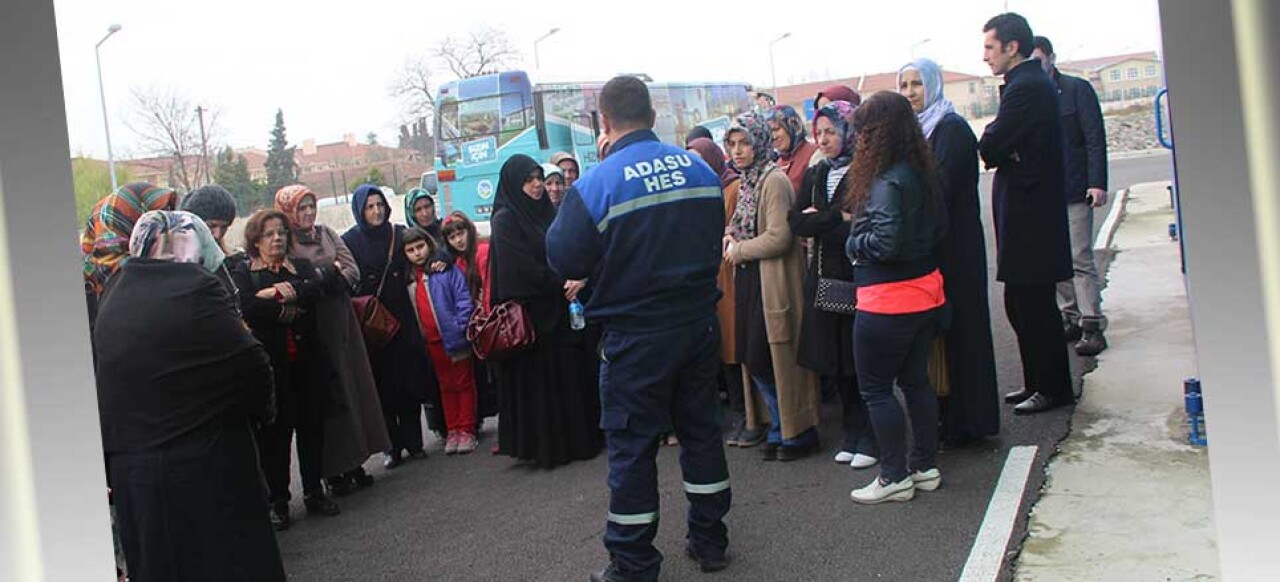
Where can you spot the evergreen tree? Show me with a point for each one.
(282, 170)
(232, 173)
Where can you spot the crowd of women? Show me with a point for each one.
(854, 262)
(212, 359)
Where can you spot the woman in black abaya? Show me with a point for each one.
(549, 404)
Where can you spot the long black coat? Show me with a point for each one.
(826, 339)
(972, 410)
(1024, 144)
(401, 369)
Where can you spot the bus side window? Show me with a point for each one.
(540, 120)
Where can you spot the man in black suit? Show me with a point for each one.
(1085, 182)
(1033, 248)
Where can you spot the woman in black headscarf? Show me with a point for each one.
(548, 394)
(401, 368)
(180, 380)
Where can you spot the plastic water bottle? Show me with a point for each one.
(576, 320)
(1195, 411)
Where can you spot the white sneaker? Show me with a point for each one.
(861, 461)
(927, 480)
(844, 457)
(874, 493)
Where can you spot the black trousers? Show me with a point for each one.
(404, 426)
(1033, 313)
(274, 454)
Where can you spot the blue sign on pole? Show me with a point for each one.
(809, 110)
(480, 151)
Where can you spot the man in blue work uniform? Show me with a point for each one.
(644, 227)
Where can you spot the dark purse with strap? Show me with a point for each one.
(376, 321)
(500, 332)
(834, 295)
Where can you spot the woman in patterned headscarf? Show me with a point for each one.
(351, 437)
(791, 146)
(767, 284)
(180, 382)
(826, 338)
(971, 409)
(105, 240)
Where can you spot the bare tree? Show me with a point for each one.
(168, 126)
(481, 50)
(414, 88)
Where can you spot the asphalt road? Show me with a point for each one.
(481, 517)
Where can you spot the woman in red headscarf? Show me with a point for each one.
(352, 437)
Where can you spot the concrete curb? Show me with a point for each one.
(1137, 154)
(1112, 223)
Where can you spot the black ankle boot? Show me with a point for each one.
(280, 519)
(1091, 344)
(320, 504)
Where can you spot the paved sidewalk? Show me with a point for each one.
(1126, 497)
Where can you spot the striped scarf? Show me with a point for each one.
(105, 241)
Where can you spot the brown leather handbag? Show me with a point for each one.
(376, 321)
(504, 330)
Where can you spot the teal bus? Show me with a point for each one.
(481, 121)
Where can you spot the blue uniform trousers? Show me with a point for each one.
(651, 383)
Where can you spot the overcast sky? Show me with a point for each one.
(329, 69)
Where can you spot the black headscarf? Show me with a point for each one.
(535, 214)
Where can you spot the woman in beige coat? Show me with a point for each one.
(769, 301)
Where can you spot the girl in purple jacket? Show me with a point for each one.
(443, 307)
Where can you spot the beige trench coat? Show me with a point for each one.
(781, 288)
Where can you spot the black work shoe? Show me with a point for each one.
(1092, 344)
(1036, 404)
(751, 437)
(393, 460)
(418, 454)
(706, 563)
(320, 504)
(792, 453)
(1020, 396)
(769, 452)
(280, 519)
(340, 486)
(610, 574)
(1071, 332)
(360, 479)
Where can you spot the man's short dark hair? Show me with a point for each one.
(1012, 27)
(625, 100)
(767, 96)
(1043, 45)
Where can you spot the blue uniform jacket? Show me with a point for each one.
(644, 227)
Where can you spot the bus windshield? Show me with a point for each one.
(482, 121)
(501, 117)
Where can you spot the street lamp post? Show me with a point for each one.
(111, 160)
(537, 64)
(917, 45)
(773, 75)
